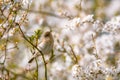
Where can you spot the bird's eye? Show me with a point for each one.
(47, 34)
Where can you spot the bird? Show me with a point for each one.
(45, 45)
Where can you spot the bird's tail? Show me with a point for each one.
(31, 59)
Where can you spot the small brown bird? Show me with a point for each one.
(46, 45)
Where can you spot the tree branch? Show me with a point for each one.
(43, 12)
(45, 65)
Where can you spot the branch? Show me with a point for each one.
(96, 54)
(22, 75)
(42, 12)
(73, 53)
(49, 61)
(36, 49)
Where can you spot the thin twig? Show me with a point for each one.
(36, 49)
(42, 12)
(6, 19)
(51, 60)
(5, 50)
(22, 75)
(37, 66)
(96, 55)
(76, 61)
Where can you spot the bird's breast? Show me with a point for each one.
(46, 47)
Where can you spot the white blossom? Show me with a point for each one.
(26, 2)
(113, 26)
(72, 24)
(88, 18)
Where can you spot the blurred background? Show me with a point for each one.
(86, 39)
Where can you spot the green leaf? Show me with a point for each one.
(38, 33)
